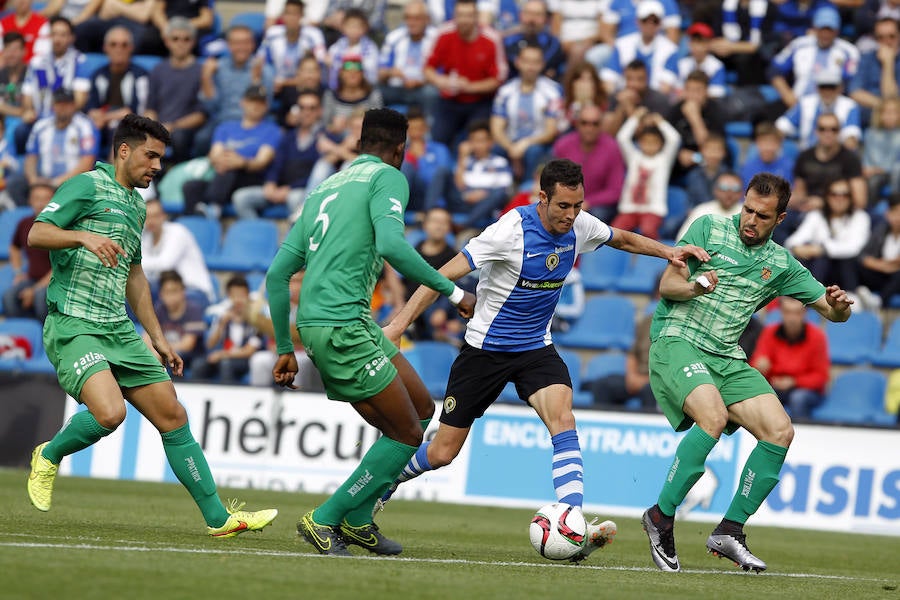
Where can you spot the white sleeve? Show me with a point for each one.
(850, 240)
(170, 252)
(496, 242)
(590, 232)
(808, 231)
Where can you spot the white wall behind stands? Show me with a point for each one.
(838, 479)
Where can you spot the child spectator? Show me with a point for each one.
(711, 163)
(649, 164)
(354, 41)
(180, 317)
(699, 57)
(232, 339)
(482, 178)
(881, 149)
(767, 154)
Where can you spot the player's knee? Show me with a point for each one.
(109, 417)
(783, 435)
(713, 421)
(412, 436)
(441, 456)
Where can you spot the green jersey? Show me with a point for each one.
(81, 286)
(749, 277)
(344, 222)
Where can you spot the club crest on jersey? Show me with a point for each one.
(449, 404)
(552, 261)
(766, 273)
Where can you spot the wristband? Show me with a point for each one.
(457, 295)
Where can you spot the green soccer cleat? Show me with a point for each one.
(324, 538)
(368, 537)
(240, 521)
(40, 480)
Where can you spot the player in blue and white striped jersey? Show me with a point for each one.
(524, 259)
(401, 64)
(285, 44)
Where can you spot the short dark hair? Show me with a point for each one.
(295, 3)
(698, 76)
(479, 125)
(60, 19)
(170, 275)
(236, 281)
(415, 111)
(355, 13)
(562, 171)
(13, 36)
(769, 184)
(383, 129)
(636, 65)
(134, 130)
(531, 41)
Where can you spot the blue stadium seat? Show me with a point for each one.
(607, 322)
(602, 365)
(573, 362)
(276, 211)
(255, 279)
(601, 268)
(856, 397)
(9, 220)
(774, 316)
(678, 207)
(248, 245)
(147, 61)
(641, 276)
(889, 355)
(207, 232)
(432, 360)
(741, 129)
(6, 279)
(856, 341)
(93, 61)
(254, 20)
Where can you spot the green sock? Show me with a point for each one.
(82, 430)
(758, 479)
(189, 465)
(377, 470)
(686, 469)
(363, 514)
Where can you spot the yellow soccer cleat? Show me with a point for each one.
(240, 521)
(40, 480)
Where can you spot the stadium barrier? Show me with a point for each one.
(841, 479)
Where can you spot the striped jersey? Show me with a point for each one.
(81, 286)
(749, 277)
(400, 51)
(526, 113)
(284, 56)
(59, 150)
(523, 267)
(660, 56)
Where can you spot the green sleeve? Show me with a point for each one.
(285, 264)
(799, 283)
(70, 202)
(697, 235)
(392, 245)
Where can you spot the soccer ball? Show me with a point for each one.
(558, 531)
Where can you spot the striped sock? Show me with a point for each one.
(417, 465)
(568, 468)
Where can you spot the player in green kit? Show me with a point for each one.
(92, 228)
(700, 375)
(349, 223)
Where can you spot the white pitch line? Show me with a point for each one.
(440, 561)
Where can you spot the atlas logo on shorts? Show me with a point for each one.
(695, 369)
(87, 361)
(376, 365)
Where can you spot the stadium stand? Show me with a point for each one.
(856, 341)
(247, 246)
(856, 397)
(607, 323)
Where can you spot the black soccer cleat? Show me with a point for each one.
(368, 537)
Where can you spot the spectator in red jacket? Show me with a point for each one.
(793, 356)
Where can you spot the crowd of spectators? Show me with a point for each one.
(640, 92)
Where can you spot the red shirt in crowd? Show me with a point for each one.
(476, 60)
(806, 359)
(30, 30)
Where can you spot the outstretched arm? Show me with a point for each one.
(834, 305)
(639, 244)
(456, 267)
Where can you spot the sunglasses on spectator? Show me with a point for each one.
(591, 123)
(729, 187)
(179, 38)
(653, 20)
(115, 44)
(308, 106)
(831, 129)
(827, 86)
(885, 36)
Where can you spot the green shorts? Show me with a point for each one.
(677, 367)
(353, 359)
(78, 349)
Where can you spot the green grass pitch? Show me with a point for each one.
(132, 540)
